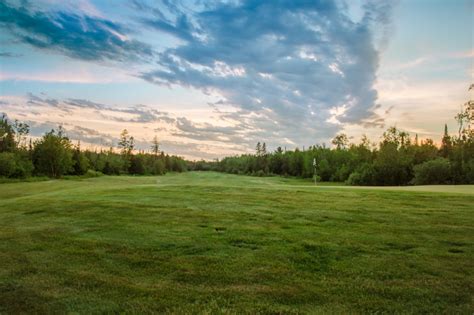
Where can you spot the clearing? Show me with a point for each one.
(208, 242)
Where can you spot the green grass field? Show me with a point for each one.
(216, 243)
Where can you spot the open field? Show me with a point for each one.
(208, 242)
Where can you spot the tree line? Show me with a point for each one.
(54, 155)
(398, 159)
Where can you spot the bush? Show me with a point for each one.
(114, 164)
(92, 173)
(157, 167)
(469, 172)
(81, 163)
(342, 174)
(15, 165)
(364, 175)
(7, 164)
(259, 173)
(137, 165)
(24, 168)
(53, 155)
(436, 171)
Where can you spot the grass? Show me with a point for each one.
(216, 243)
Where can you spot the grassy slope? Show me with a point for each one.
(213, 242)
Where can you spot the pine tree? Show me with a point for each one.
(126, 143)
(258, 149)
(155, 147)
(446, 143)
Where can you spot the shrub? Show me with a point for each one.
(342, 173)
(437, 171)
(469, 172)
(137, 165)
(92, 173)
(157, 167)
(364, 175)
(259, 173)
(81, 163)
(7, 164)
(114, 164)
(24, 168)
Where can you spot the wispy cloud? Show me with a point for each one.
(81, 77)
(6, 54)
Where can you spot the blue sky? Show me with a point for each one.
(211, 78)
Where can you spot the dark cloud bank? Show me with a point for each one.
(77, 36)
(289, 62)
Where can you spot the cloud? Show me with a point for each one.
(285, 72)
(284, 66)
(138, 113)
(84, 37)
(205, 131)
(91, 136)
(99, 125)
(70, 73)
(182, 27)
(33, 99)
(135, 114)
(38, 129)
(7, 54)
(84, 103)
(197, 151)
(73, 132)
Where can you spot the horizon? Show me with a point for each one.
(212, 79)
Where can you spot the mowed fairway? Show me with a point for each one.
(216, 243)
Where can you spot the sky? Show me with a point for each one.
(213, 78)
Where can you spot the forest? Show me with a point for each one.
(398, 159)
(54, 155)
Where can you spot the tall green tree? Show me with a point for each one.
(21, 130)
(340, 141)
(155, 146)
(7, 135)
(446, 143)
(81, 162)
(126, 143)
(53, 154)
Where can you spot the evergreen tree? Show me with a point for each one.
(81, 163)
(126, 143)
(258, 149)
(155, 147)
(446, 143)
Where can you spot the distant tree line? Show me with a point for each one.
(54, 155)
(397, 160)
